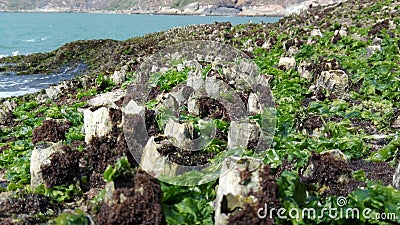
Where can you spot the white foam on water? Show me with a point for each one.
(12, 84)
(32, 40)
(24, 91)
(29, 40)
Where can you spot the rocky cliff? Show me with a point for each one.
(189, 7)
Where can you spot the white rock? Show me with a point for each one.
(334, 81)
(107, 99)
(182, 94)
(343, 32)
(232, 189)
(372, 49)
(193, 106)
(377, 41)
(293, 50)
(266, 45)
(240, 133)
(392, 25)
(264, 80)
(168, 10)
(180, 67)
(6, 109)
(192, 7)
(119, 76)
(39, 158)
(168, 106)
(213, 87)
(195, 80)
(178, 132)
(336, 154)
(154, 163)
(133, 108)
(5, 196)
(358, 37)
(302, 70)
(396, 123)
(253, 104)
(287, 62)
(249, 42)
(316, 32)
(53, 92)
(396, 178)
(109, 192)
(97, 123)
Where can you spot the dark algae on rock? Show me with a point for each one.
(334, 74)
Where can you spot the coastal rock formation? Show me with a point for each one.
(98, 117)
(245, 187)
(119, 76)
(396, 177)
(239, 176)
(240, 134)
(97, 123)
(111, 99)
(334, 82)
(200, 7)
(304, 71)
(6, 109)
(287, 62)
(41, 156)
(396, 123)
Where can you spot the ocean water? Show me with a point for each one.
(26, 33)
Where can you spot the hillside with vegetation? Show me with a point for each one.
(334, 74)
(190, 7)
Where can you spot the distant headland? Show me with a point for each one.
(171, 7)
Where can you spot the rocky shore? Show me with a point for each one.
(222, 8)
(66, 155)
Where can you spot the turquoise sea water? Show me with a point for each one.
(26, 33)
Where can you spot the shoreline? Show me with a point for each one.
(194, 9)
(120, 12)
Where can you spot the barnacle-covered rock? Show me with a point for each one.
(334, 82)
